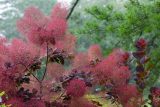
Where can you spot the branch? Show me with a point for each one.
(26, 68)
(72, 9)
(91, 13)
(45, 71)
(46, 63)
(61, 95)
(141, 33)
(151, 43)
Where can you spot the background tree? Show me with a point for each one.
(11, 10)
(115, 26)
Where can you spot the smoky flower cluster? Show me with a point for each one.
(44, 69)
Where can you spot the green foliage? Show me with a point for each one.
(2, 94)
(3, 105)
(114, 27)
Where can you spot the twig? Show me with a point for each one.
(72, 9)
(46, 64)
(45, 71)
(26, 68)
(60, 95)
(40, 89)
(141, 33)
(97, 98)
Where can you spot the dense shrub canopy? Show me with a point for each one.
(44, 69)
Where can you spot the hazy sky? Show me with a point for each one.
(65, 1)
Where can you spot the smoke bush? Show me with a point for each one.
(33, 70)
